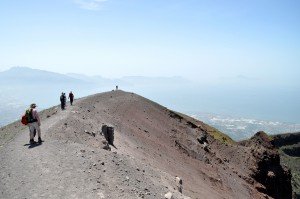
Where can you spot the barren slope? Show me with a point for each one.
(153, 144)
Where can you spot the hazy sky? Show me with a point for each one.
(197, 39)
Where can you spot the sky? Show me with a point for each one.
(202, 40)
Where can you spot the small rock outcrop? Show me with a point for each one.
(108, 132)
(276, 179)
(288, 145)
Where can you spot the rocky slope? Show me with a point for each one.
(153, 146)
(289, 150)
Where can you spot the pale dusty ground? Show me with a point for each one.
(72, 164)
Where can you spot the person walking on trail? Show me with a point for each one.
(63, 101)
(71, 97)
(34, 123)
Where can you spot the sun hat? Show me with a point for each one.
(33, 105)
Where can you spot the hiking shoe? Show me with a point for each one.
(40, 140)
(32, 141)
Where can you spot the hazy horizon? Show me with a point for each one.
(229, 81)
(204, 41)
(265, 102)
(239, 111)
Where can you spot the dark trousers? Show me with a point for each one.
(62, 105)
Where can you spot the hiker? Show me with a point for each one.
(71, 97)
(63, 101)
(34, 123)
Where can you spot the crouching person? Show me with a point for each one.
(34, 124)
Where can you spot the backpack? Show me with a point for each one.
(27, 117)
(24, 119)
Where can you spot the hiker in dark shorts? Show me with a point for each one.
(71, 97)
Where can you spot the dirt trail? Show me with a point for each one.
(44, 170)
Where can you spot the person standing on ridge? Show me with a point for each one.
(71, 97)
(34, 123)
(63, 101)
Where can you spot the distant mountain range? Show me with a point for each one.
(276, 109)
(25, 76)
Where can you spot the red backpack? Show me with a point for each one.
(24, 119)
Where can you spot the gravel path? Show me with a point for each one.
(49, 170)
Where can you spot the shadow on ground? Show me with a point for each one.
(30, 146)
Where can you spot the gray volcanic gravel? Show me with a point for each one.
(152, 148)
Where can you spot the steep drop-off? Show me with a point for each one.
(289, 150)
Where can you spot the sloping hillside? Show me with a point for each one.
(289, 149)
(153, 145)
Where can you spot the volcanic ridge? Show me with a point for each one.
(156, 153)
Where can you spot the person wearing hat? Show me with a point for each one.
(34, 124)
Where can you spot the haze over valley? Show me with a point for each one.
(221, 106)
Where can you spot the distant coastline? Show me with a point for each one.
(239, 128)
